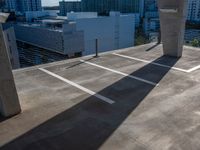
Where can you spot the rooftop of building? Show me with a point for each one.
(43, 26)
(134, 98)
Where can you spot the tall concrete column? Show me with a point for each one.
(172, 20)
(9, 102)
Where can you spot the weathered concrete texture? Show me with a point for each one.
(9, 103)
(58, 116)
(172, 20)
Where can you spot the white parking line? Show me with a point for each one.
(193, 69)
(121, 73)
(153, 63)
(103, 98)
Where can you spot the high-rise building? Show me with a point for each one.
(11, 5)
(151, 23)
(23, 5)
(2, 4)
(68, 6)
(129, 6)
(105, 6)
(29, 5)
(193, 10)
(151, 5)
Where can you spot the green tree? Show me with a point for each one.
(140, 40)
(195, 43)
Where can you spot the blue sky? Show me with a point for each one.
(52, 2)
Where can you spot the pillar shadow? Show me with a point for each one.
(152, 47)
(88, 125)
(2, 118)
(79, 63)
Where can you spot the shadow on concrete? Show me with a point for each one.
(2, 118)
(89, 124)
(152, 47)
(79, 63)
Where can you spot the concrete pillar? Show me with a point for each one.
(172, 20)
(9, 102)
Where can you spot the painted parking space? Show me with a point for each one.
(189, 62)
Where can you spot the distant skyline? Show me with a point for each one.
(52, 2)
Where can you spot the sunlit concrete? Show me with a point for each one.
(58, 113)
(172, 20)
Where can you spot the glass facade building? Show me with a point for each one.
(67, 6)
(193, 10)
(151, 5)
(23, 5)
(105, 6)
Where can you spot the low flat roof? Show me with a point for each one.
(130, 99)
(52, 21)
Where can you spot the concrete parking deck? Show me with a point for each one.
(131, 99)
